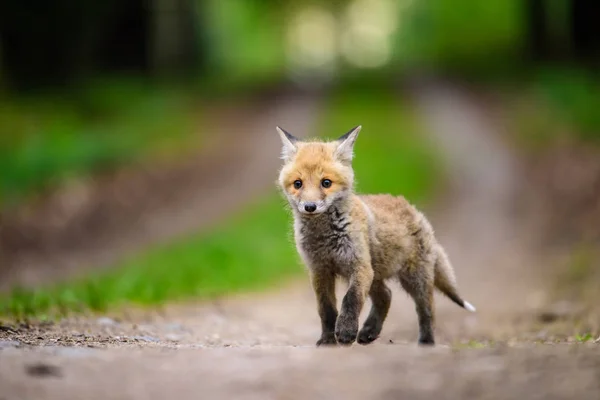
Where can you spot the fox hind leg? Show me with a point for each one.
(419, 284)
(381, 297)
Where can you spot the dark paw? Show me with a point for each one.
(426, 341)
(367, 335)
(346, 337)
(327, 340)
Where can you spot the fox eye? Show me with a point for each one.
(297, 184)
(326, 183)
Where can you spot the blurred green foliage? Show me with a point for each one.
(243, 45)
(252, 249)
(247, 41)
(393, 153)
(465, 36)
(574, 97)
(102, 123)
(47, 138)
(537, 48)
(557, 104)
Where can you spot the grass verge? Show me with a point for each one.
(49, 137)
(557, 105)
(253, 249)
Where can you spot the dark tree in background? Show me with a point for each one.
(581, 17)
(61, 42)
(536, 29)
(585, 29)
(174, 35)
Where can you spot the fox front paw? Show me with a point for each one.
(367, 335)
(426, 341)
(346, 335)
(327, 339)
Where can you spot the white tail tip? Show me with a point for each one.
(469, 306)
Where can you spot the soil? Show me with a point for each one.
(260, 346)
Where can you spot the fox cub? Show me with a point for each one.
(366, 240)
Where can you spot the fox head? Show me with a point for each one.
(316, 174)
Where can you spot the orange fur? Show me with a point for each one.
(364, 239)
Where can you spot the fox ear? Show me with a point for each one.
(289, 144)
(345, 150)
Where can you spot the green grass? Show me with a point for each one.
(558, 104)
(247, 252)
(583, 338)
(252, 249)
(47, 138)
(462, 36)
(573, 99)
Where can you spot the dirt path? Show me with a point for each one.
(262, 346)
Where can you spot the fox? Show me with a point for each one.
(367, 240)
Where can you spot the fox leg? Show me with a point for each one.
(346, 327)
(324, 286)
(381, 297)
(419, 284)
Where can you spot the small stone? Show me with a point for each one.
(5, 344)
(105, 321)
(173, 337)
(213, 339)
(146, 338)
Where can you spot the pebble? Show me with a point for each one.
(173, 337)
(146, 338)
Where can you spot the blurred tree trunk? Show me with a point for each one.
(62, 42)
(92, 28)
(583, 36)
(174, 37)
(585, 30)
(36, 41)
(1, 71)
(537, 29)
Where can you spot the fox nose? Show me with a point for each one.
(310, 207)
